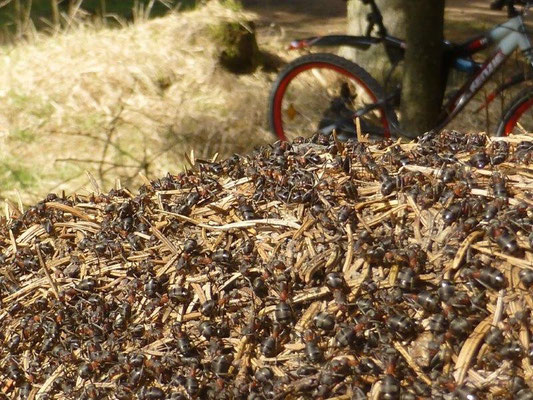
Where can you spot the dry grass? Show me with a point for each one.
(120, 102)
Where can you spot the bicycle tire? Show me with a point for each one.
(512, 114)
(329, 61)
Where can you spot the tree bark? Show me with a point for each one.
(26, 21)
(18, 18)
(374, 60)
(422, 83)
(55, 13)
(71, 11)
(103, 12)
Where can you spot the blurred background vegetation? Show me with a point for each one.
(21, 17)
(122, 95)
(126, 89)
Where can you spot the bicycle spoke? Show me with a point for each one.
(319, 77)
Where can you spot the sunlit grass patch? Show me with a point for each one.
(34, 105)
(15, 175)
(23, 135)
(119, 102)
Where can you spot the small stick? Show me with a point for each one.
(47, 272)
(375, 392)
(190, 159)
(398, 346)
(238, 182)
(19, 201)
(393, 274)
(50, 380)
(498, 313)
(349, 252)
(145, 180)
(233, 278)
(310, 247)
(236, 225)
(192, 316)
(299, 262)
(305, 319)
(199, 292)
(461, 252)
(165, 241)
(69, 209)
(357, 284)
(469, 349)
(416, 209)
(11, 210)
(13, 241)
(384, 216)
(310, 295)
(241, 347)
(363, 222)
(94, 184)
(219, 240)
(360, 137)
(305, 226)
(510, 259)
(338, 143)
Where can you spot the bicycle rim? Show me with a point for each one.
(521, 121)
(320, 96)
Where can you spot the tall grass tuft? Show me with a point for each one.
(19, 19)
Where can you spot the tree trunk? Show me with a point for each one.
(26, 21)
(103, 12)
(71, 10)
(423, 83)
(55, 13)
(18, 18)
(375, 60)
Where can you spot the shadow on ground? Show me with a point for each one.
(300, 18)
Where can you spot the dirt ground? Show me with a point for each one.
(300, 18)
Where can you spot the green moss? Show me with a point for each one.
(89, 122)
(19, 100)
(33, 105)
(14, 175)
(66, 171)
(239, 52)
(234, 5)
(23, 135)
(44, 110)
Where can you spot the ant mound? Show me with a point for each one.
(312, 269)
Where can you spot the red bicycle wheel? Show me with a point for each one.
(321, 92)
(518, 117)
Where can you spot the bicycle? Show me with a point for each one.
(346, 92)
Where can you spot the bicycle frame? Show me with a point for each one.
(508, 36)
